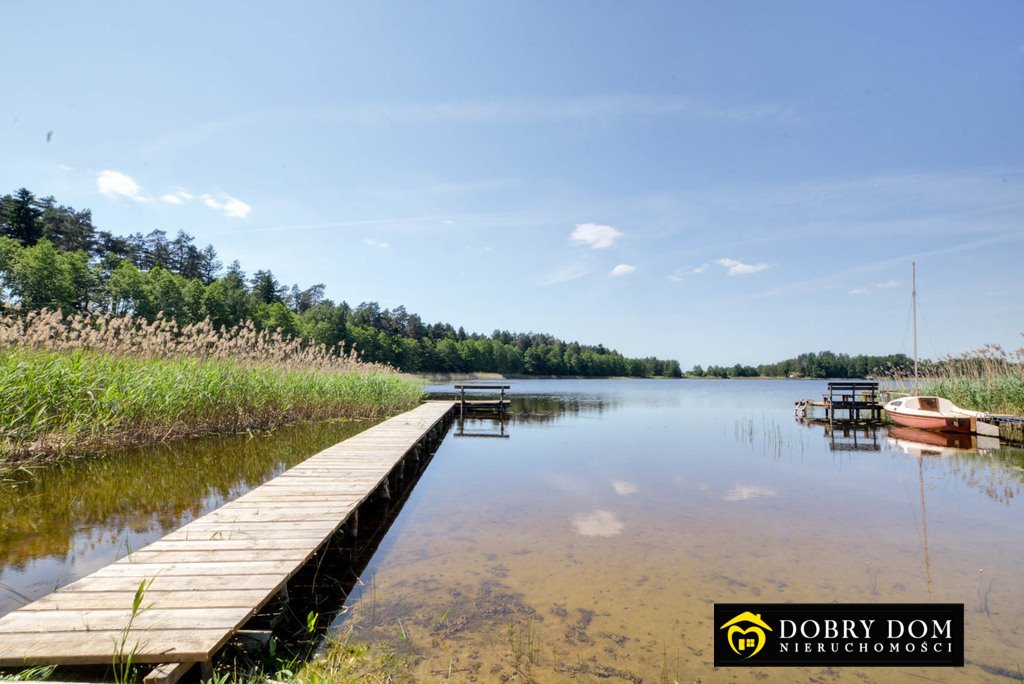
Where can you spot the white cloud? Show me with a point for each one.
(229, 206)
(565, 273)
(116, 184)
(376, 243)
(621, 270)
(595, 235)
(888, 284)
(65, 168)
(177, 197)
(740, 268)
(860, 291)
(743, 492)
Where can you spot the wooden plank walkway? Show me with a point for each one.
(210, 576)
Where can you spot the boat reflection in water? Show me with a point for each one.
(918, 442)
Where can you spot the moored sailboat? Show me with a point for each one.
(934, 413)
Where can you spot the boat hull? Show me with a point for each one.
(938, 422)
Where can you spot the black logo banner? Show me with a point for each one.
(837, 634)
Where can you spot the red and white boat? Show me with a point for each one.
(933, 413)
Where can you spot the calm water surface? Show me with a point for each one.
(591, 542)
(61, 523)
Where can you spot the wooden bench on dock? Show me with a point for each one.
(208, 578)
(853, 397)
(500, 404)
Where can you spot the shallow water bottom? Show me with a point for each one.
(592, 546)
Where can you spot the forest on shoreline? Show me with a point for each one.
(824, 364)
(53, 257)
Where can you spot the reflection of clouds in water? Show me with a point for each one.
(623, 488)
(568, 484)
(742, 492)
(597, 524)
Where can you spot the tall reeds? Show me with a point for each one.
(72, 385)
(988, 379)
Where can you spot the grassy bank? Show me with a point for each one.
(75, 401)
(70, 386)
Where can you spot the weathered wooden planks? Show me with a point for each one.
(206, 579)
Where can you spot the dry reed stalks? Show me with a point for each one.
(129, 335)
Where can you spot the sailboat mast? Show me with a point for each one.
(913, 300)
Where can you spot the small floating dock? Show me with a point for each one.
(208, 579)
(847, 401)
(499, 405)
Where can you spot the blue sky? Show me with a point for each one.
(712, 182)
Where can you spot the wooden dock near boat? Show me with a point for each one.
(206, 580)
(846, 400)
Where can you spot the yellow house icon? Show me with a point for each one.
(751, 639)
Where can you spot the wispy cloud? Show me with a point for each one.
(595, 235)
(680, 273)
(376, 243)
(621, 270)
(495, 111)
(116, 184)
(65, 168)
(739, 268)
(565, 273)
(887, 285)
(232, 207)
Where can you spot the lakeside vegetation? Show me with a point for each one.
(988, 379)
(824, 364)
(51, 256)
(77, 384)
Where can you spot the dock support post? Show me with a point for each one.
(167, 673)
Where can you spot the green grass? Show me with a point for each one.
(343, 661)
(69, 402)
(995, 393)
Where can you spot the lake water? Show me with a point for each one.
(58, 524)
(591, 541)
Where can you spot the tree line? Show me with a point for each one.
(52, 256)
(824, 364)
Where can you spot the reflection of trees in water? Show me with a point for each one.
(540, 409)
(998, 475)
(153, 489)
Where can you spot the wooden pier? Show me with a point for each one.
(849, 401)
(206, 580)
